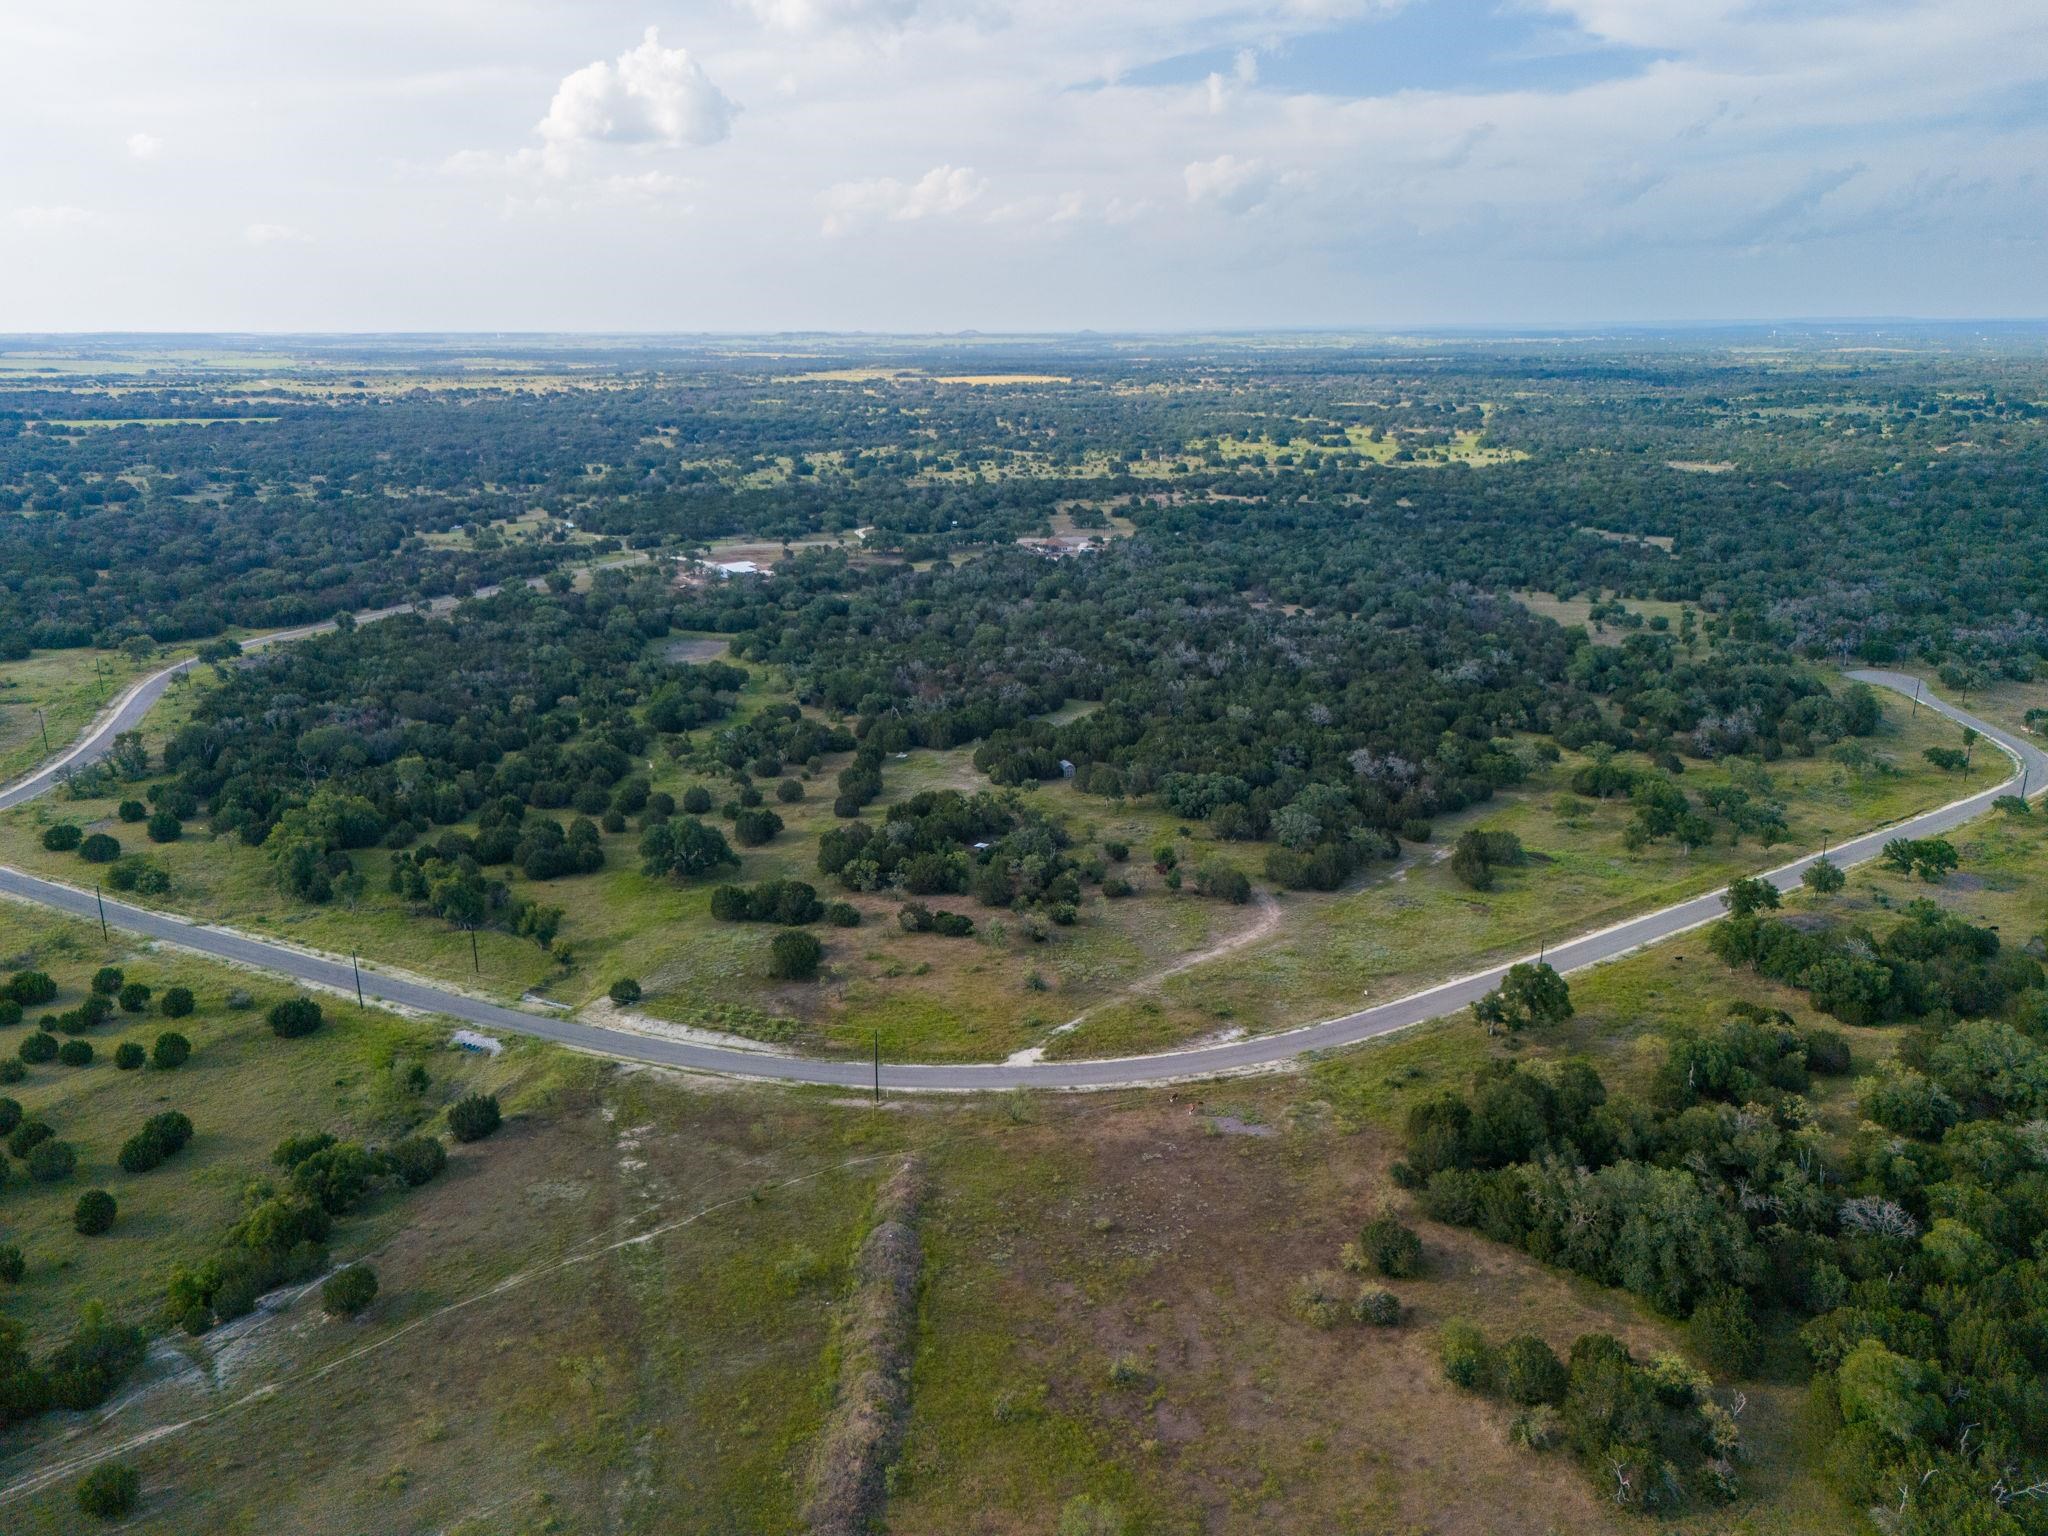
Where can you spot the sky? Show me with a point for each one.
(1004, 165)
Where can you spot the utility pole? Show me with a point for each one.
(878, 1066)
(45, 724)
(96, 896)
(1918, 684)
(474, 960)
(356, 966)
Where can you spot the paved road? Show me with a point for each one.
(1263, 1051)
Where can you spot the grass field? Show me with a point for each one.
(70, 688)
(620, 1312)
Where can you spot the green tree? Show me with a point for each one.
(348, 1291)
(474, 1116)
(109, 1491)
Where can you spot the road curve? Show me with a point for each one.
(1262, 1051)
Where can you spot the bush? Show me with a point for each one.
(338, 1177)
(39, 1047)
(1317, 1299)
(348, 1291)
(107, 980)
(100, 848)
(1391, 1248)
(789, 791)
(696, 800)
(1726, 1333)
(132, 810)
(1529, 1371)
(75, 1053)
(12, 1265)
(134, 997)
(171, 1051)
(62, 837)
(51, 1161)
(12, 1071)
(164, 828)
(31, 988)
(10, 1116)
(294, 1150)
(295, 1017)
(474, 1117)
(1467, 1357)
(93, 1214)
(842, 914)
(10, 1013)
(417, 1159)
(1377, 1305)
(129, 1055)
(160, 1137)
(1827, 1052)
(625, 992)
(795, 955)
(109, 1491)
(177, 1002)
(27, 1136)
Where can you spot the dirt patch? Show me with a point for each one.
(695, 650)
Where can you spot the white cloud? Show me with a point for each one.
(144, 146)
(649, 95)
(53, 216)
(802, 16)
(276, 234)
(1228, 183)
(940, 191)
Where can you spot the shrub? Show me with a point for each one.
(625, 992)
(474, 1117)
(177, 1002)
(75, 1053)
(109, 1491)
(417, 1159)
(294, 1150)
(161, 1136)
(794, 956)
(1467, 1357)
(338, 1177)
(26, 1136)
(100, 848)
(39, 1047)
(107, 980)
(51, 1161)
(1317, 1299)
(134, 997)
(12, 1071)
(842, 914)
(132, 810)
(1827, 1052)
(1823, 877)
(62, 837)
(696, 800)
(129, 1055)
(12, 1265)
(1529, 1371)
(789, 791)
(348, 1291)
(164, 828)
(10, 1116)
(10, 1013)
(1376, 1305)
(1390, 1248)
(294, 1017)
(31, 988)
(172, 1050)
(93, 1214)
(1726, 1333)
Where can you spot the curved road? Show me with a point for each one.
(1263, 1051)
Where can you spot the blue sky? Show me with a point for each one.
(1016, 164)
